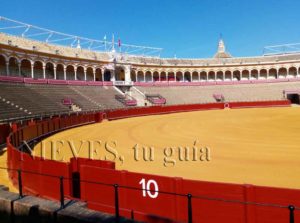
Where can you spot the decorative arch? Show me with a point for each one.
(107, 75)
(70, 72)
(292, 72)
(140, 76)
(236, 75)
(13, 65)
(195, 76)
(89, 74)
(219, 76)
(60, 75)
(179, 76)
(133, 75)
(163, 76)
(99, 76)
(38, 71)
(155, 76)
(49, 70)
(203, 76)
(25, 68)
(273, 73)
(148, 76)
(211, 76)
(120, 73)
(80, 73)
(282, 72)
(171, 76)
(228, 76)
(254, 74)
(263, 74)
(245, 75)
(187, 76)
(3, 71)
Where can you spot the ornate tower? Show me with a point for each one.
(221, 53)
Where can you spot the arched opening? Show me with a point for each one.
(49, 71)
(25, 68)
(38, 71)
(155, 76)
(263, 74)
(272, 73)
(187, 76)
(148, 76)
(107, 75)
(3, 66)
(89, 74)
(203, 76)
(163, 76)
(133, 75)
(140, 76)
(236, 75)
(171, 76)
(254, 74)
(228, 75)
(60, 72)
(70, 72)
(292, 72)
(98, 75)
(245, 75)
(195, 76)
(80, 73)
(179, 76)
(13, 67)
(282, 72)
(211, 76)
(120, 74)
(219, 76)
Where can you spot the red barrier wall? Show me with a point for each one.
(4, 132)
(210, 201)
(154, 110)
(205, 209)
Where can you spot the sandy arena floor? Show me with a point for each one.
(256, 146)
(4, 180)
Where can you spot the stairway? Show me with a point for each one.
(139, 96)
(86, 97)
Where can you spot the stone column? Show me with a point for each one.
(44, 70)
(127, 71)
(32, 69)
(7, 68)
(75, 73)
(94, 74)
(102, 74)
(54, 69)
(84, 70)
(19, 65)
(113, 75)
(65, 72)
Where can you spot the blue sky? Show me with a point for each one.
(186, 28)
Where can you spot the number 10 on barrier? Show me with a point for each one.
(148, 189)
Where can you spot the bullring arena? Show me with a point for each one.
(147, 138)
